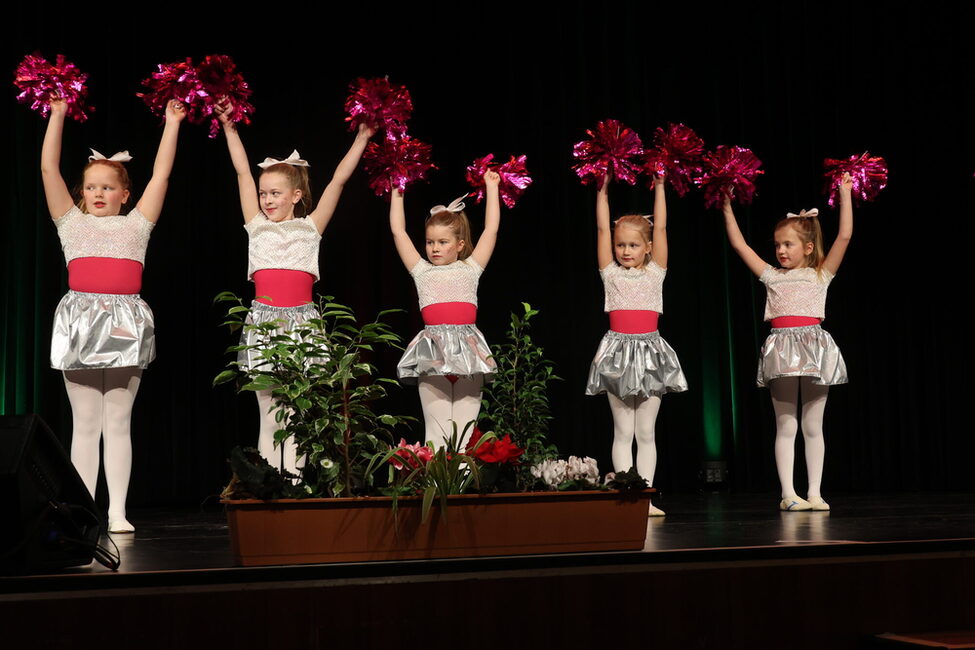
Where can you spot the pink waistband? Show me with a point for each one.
(104, 275)
(633, 321)
(795, 321)
(283, 287)
(449, 313)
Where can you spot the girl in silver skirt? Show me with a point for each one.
(284, 234)
(103, 333)
(799, 360)
(634, 365)
(449, 360)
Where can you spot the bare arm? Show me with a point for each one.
(55, 190)
(836, 252)
(658, 252)
(246, 186)
(323, 212)
(151, 203)
(397, 223)
(604, 232)
(492, 221)
(751, 259)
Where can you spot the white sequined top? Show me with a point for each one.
(456, 282)
(290, 245)
(121, 237)
(796, 292)
(634, 288)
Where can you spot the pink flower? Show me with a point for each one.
(413, 455)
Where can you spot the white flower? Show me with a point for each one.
(582, 469)
(327, 463)
(552, 472)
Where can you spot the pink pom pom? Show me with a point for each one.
(396, 163)
(729, 170)
(39, 81)
(380, 104)
(869, 176)
(220, 79)
(514, 178)
(612, 148)
(177, 81)
(678, 155)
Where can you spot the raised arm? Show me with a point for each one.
(151, 203)
(751, 259)
(249, 205)
(397, 223)
(492, 220)
(55, 190)
(842, 241)
(323, 212)
(604, 231)
(658, 251)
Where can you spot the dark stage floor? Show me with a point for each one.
(180, 546)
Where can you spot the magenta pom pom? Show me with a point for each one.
(396, 163)
(869, 176)
(678, 155)
(514, 178)
(379, 104)
(732, 170)
(612, 148)
(38, 81)
(177, 81)
(220, 79)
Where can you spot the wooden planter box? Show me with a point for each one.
(302, 531)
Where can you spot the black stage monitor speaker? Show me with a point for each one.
(49, 519)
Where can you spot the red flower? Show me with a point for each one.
(421, 455)
(494, 451)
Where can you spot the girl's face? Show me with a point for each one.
(790, 250)
(277, 197)
(443, 246)
(630, 247)
(103, 192)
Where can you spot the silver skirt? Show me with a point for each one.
(446, 350)
(102, 330)
(801, 352)
(635, 364)
(289, 319)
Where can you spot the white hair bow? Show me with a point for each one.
(803, 214)
(121, 156)
(457, 205)
(294, 160)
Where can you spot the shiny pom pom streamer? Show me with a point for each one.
(39, 80)
(729, 169)
(514, 178)
(181, 82)
(612, 148)
(379, 104)
(868, 174)
(677, 155)
(396, 163)
(219, 78)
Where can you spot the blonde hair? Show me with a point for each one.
(120, 171)
(297, 177)
(459, 225)
(809, 230)
(639, 223)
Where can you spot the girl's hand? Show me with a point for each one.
(726, 204)
(59, 107)
(491, 178)
(658, 180)
(175, 111)
(846, 185)
(367, 130)
(224, 108)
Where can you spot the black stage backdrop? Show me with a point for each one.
(791, 82)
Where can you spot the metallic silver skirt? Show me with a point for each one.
(446, 350)
(289, 319)
(801, 352)
(635, 364)
(102, 330)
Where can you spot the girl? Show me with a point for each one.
(449, 359)
(799, 358)
(283, 239)
(103, 334)
(634, 365)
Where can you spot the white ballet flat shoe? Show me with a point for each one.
(817, 503)
(120, 526)
(794, 504)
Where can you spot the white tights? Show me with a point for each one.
(101, 411)
(635, 417)
(284, 456)
(445, 402)
(785, 401)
